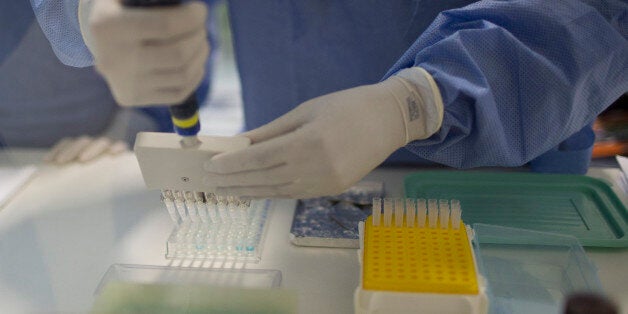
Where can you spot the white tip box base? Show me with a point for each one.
(384, 302)
(167, 164)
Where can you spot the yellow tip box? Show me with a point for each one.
(417, 257)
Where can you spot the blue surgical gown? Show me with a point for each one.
(521, 81)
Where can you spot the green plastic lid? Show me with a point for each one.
(581, 206)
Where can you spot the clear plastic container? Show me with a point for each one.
(530, 271)
(158, 289)
(145, 274)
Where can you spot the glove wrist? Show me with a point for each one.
(418, 100)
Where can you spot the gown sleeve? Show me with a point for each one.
(518, 78)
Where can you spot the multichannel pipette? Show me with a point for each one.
(171, 162)
(206, 226)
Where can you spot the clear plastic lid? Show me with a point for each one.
(158, 289)
(530, 271)
(222, 277)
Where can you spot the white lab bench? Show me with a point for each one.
(59, 235)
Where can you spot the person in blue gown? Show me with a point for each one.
(474, 84)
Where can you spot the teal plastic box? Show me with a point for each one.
(581, 206)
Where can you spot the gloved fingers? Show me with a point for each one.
(175, 21)
(169, 86)
(189, 74)
(94, 149)
(278, 175)
(72, 150)
(175, 54)
(173, 93)
(264, 155)
(59, 146)
(265, 191)
(83, 149)
(151, 97)
(117, 147)
(163, 96)
(154, 23)
(102, 146)
(284, 124)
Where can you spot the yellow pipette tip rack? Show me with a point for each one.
(411, 259)
(416, 255)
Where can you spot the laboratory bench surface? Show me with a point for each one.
(64, 229)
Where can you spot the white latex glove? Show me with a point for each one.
(326, 144)
(83, 149)
(114, 139)
(147, 55)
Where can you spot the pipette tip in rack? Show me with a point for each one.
(417, 213)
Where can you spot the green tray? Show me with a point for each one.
(580, 206)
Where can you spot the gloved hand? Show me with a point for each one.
(147, 55)
(326, 144)
(83, 149)
(113, 140)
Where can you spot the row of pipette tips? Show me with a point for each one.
(204, 207)
(418, 213)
